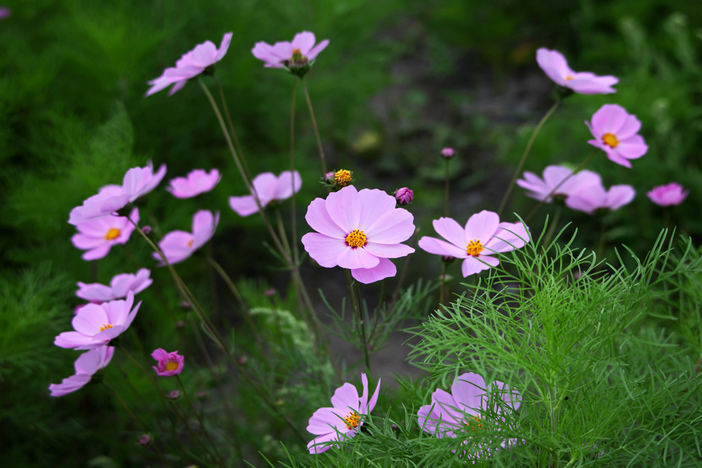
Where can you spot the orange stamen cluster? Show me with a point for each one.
(171, 365)
(356, 238)
(112, 234)
(610, 140)
(342, 177)
(107, 326)
(474, 248)
(352, 420)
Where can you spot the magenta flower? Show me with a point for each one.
(482, 236)
(447, 153)
(85, 366)
(404, 196)
(668, 194)
(168, 364)
(267, 187)
(556, 176)
(359, 230)
(555, 66)
(96, 324)
(595, 197)
(196, 182)
(333, 424)
(118, 288)
(615, 132)
(98, 235)
(179, 245)
(190, 65)
(295, 56)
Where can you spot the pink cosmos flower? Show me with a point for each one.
(554, 64)
(267, 187)
(298, 54)
(179, 245)
(190, 65)
(482, 236)
(85, 366)
(556, 176)
(196, 182)
(96, 324)
(615, 132)
(595, 197)
(343, 419)
(168, 364)
(667, 195)
(119, 286)
(97, 236)
(359, 230)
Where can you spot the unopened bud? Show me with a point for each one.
(270, 292)
(144, 439)
(146, 229)
(242, 360)
(173, 395)
(447, 153)
(404, 196)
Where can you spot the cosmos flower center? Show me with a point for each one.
(189, 243)
(352, 420)
(342, 177)
(112, 234)
(356, 238)
(474, 248)
(106, 326)
(610, 140)
(473, 423)
(569, 77)
(171, 365)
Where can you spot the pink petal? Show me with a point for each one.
(264, 186)
(450, 230)
(346, 398)
(374, 398)
(89, 319)
(619, 195)
(326, 420)
(467, 390)
(285, 184)
(223, 46)
(359, 257)
(374, 205)
(323, 249)
(97, 253)
(439, 247)
(243, 206)
(344, 208)
(384, 269)
(388, 250)
(303, 41)
(393, 227)
(629, 128)
(318, 218)
(553, 64)
(482, 226)
(69, 385)
(609, 119)
(312, 54)
(320, 444)
(472, 265)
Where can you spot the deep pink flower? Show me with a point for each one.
(85, 366)
(556, 176)
(595, 197)
(668, 194)
(96, 324)
(483, 236)
(343, 419)
(615, 132)
(404, 196)
(168, 364)
(190, 65)
(447, 153)
(296, 55)
(196, 182)
(359, 230)
(179, 245)
(98, 235)
(555, 66)
(268, 187)
(119, 286)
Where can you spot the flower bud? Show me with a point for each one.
(144, 439)
(404, 196)
(447, 153)
(173, 395)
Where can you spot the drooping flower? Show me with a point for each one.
(267, 187)
(358, 230)
(615, 133)
(119, 286)
(190, 65)
(554, 64)
(558, 182)
(85, 366)
(167, 364)
(96, 324)
(296, 56)
(668, 194)
(343, 419)
(97, 236)
(594, 198)
(483, 236)
(179, 245)
(447, 153)
(404, 196)
(195, 183)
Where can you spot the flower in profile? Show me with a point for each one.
(179, 245)
(196, 182)
(616, 133)
(558, 182)
(296, 56)
(267, 187)
(119, 286)
(97, 236)
(668, 194)
(96, 324)
(483, 236)
(554, 64)
(447, 153)
(167, 364)
(85, 366)
(358, 230)
(138, 181)
(190, 65)
(596, 198)
(404, 196)
(343, 419)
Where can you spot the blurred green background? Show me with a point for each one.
(400, 80)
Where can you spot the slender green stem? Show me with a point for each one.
(230, 124)
(353, 297)
(446, 187)
(553, 224)
(603, 239)
(200, 420)
(443, 282)
(316, 129)
(293, 214)
(525, 154)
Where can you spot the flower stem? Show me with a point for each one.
(353, 297)
(316, 129)
(293, 215)
(525, 154)
(443, 282)
(446, 187)
(237, 145)
(201, 421)
(553, 226)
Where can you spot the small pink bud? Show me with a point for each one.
(242, 360)
(329, 177)
(270, 292)
(173, 395)
(447, 153)
(404, 196)
(144, 439)
(146, 229)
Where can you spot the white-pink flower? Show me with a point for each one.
(85, 367)
(291, 55)
(668, 194)
(119, 287)
(179, 245)
(268, 187)
(97, 236)
(196, 182)
(557, 182)
(615, 132)
(554, 64)
(595, 197)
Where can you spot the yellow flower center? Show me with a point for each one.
(356, 238)
(474, 248)
(473, 423)
(107, 326)
(190, 243)
(569, 77)
(171, 365)
(342, 177)
(352, 420)
(610, 140)
(112, 234)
